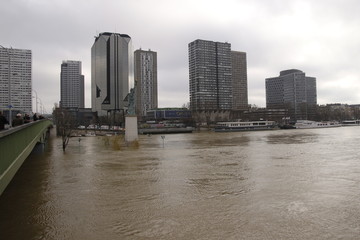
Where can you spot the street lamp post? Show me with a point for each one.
(9, 84)
(42, 111)
(36, 101)
(39, 101)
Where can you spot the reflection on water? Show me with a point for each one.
(293, 137)
(286, 184)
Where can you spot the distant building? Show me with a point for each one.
(71, 85)
(145, 81)
(15, 69)
(80, 116)
(162, 114)
(112, 72)
(356, 111)
(239, 80)
(217, 77)
(278, 115)
(292, 91)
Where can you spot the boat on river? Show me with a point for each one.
(305, 124)
(351, 122)
(244, 126)
(164, 130)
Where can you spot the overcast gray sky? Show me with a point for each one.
(320, 37)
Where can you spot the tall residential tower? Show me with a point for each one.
(218, 77)
(15, 80)
(210, 75)
(112, 72)
(71, 85)
(239, 77)
(145, 81)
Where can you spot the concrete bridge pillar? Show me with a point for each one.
(131, 129)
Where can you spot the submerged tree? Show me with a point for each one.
(65, 125)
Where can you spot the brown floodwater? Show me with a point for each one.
(280, 184)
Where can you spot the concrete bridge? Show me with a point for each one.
(15, 146)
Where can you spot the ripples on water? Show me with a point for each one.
(288, 184)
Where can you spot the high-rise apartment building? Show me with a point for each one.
(71, 85)
(15, 79)
(145, 81)
(112, 72)
(210, 75)
(218, 76)
(293, 91)
(239, 80)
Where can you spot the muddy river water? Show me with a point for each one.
(280, 184)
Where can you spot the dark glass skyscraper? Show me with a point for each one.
(112, 72)
(292, 91)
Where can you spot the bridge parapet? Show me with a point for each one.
(15, 146)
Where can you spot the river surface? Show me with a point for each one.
(280, 184)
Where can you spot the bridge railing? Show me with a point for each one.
(15, 146)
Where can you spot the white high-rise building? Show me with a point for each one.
(146, 81)
(71, 85)
(112, 72)
(15, 80)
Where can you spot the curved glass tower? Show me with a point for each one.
(112, 72)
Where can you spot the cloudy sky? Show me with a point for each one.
(318, 37)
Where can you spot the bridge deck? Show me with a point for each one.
(15, 146)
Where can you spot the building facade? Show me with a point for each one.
(162, 114)
(293, 91)
(112, 72)
(146, 89)
(15, 80)
(210, 75)
(217, 77)
(239, 80)
(71, 85)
